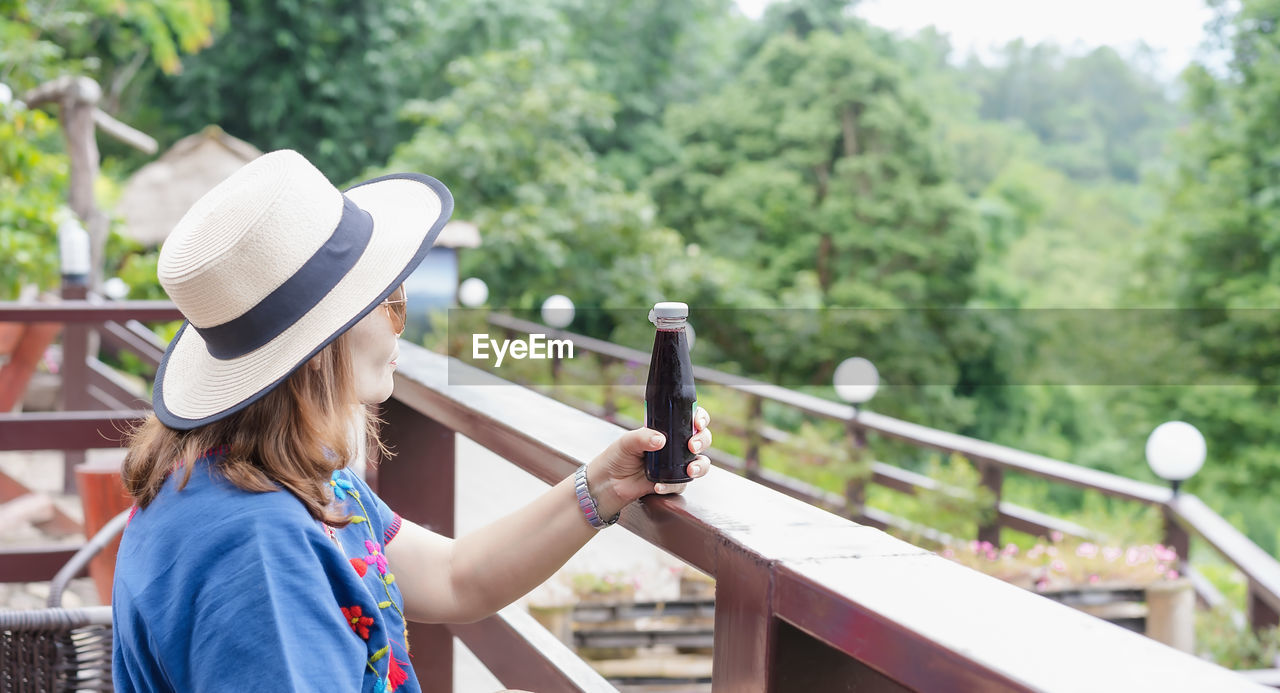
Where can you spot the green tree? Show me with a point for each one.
(104, 39)
(33, 182)
(324, 78)
(107, 40)
(1098, 115)
(1217, 260)
(817, 170)
(508, 141)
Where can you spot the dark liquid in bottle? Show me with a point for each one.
(670, 400)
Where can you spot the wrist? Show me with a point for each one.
(605, 492)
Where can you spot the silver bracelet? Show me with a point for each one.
(588, 503)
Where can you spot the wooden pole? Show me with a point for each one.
(993, 479)
(77, 98)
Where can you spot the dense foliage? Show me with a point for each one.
(622, 153)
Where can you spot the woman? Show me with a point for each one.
(255, 559)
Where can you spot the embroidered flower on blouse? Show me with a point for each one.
(375, 557)
(341, 487)
(357, 620)
(360, 566)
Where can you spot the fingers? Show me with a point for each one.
(700, 441)
(640, 441)
(701, 419)
(697, 468)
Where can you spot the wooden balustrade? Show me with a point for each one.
(1184, 515)
(805, 600)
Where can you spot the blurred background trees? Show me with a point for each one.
(623, 153)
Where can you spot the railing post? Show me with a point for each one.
(993, 480)
(418, 483)
(855, 488)
(1261, 615)
(751, 459)
(73, 392)
(1176, 538)
(610, 404)
(745, 629)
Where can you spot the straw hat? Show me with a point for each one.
(271, 266)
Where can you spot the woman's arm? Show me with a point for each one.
(465, 580)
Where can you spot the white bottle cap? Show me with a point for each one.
(670, 310)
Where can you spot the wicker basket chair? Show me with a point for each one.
(56, 649)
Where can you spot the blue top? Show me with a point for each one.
(219, 589)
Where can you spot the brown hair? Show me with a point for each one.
(294, 437)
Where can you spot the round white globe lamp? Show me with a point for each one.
(557, 311)
(473, 292)
(1175, 452)
(115, 289)
(856, 380)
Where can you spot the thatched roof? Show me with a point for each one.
(157, 196)
(459, 234)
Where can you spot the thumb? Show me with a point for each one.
(640, 441)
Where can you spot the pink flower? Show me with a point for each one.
(375, 557)
(1055, 536)
(1042, 583)
(1111, 553)
(1171, 575)
(1058, 566)
(948, 553)
(1132, 557)
(1036, 551)
(1087, 550)
(1010, 549)
(1094, 579)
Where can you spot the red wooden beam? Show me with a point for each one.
(34, 563)
(88, 311)
(66, 430)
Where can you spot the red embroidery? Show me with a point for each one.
(396, 675)
(360, 566)
(357, 620)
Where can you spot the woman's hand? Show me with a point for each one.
(616, 476)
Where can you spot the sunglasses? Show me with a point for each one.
(397, 309)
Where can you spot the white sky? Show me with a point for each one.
(1174, 28)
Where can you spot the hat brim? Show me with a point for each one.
(192, 388)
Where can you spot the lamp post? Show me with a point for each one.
(473, 292)
(75, 259)
(1175, 452)
(557, 311)
(856, 381)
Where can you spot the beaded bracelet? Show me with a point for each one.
(588, 503)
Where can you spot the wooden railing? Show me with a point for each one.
(1184, 514)
(97, 403)
(805, 599)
